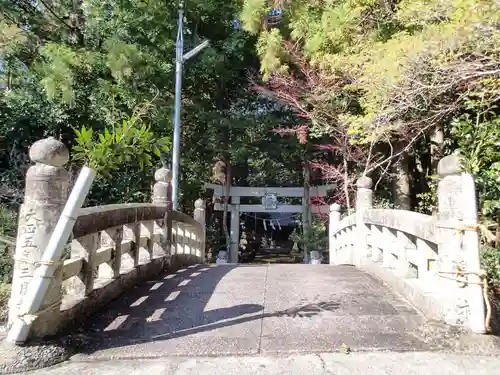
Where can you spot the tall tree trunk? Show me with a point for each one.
(222, 104)
(436, 146)
(306, 220)
(77, 22)
(227, 194)
(420, 174)
(497, 234)
(401, 188)
(346, 185)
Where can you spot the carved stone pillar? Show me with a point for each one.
(459, 248)
(45, 194)
(162, 196)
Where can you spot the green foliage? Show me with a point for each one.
(316, 238)
(123, 144)
(122, 58)
(380, 74)
(57, 71)
(118, 55)
(427, 201)
(399, 63)
(214, 238)
(6, 263)
(271, 52)
(477, 132)
(383, 203)
(490, 262)
(252, 13)
(8, 222)
(488, 183)
(4, 301)
(8, 229)
(10, 37)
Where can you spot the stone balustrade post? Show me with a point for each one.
(458, 245)
(364, 201)
(45, 194)
(162, 195)
(333, 224)
(162, 189)
(200, 217)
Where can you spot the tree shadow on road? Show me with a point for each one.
(174, 306)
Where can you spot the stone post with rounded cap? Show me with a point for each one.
(162, 196)
(334, 220)
(364, 193)
(458, 242)
(45, 194)
(364, 201)
(199, 216)
(162, 189)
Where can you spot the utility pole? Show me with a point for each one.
(180, 58)
(306, 200)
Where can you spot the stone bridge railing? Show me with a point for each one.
(433, 261)
(112, 247)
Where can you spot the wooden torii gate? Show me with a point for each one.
(269, 196)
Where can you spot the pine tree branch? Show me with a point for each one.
(59, 18)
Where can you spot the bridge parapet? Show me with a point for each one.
(112, 247)
(432, 260)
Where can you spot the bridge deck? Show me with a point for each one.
(236, 310)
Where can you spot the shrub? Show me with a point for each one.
(8, 226)
(490, 262)
(4, 300)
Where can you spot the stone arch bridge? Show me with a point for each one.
(135, 283)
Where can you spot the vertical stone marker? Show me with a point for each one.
(457, 249)
(45, 195)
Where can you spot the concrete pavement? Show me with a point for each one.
(270, 319)
(255, 309)
(387, 363)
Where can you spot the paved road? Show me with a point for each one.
(269, 320)
(255, 309)
(422, 363)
